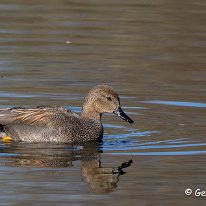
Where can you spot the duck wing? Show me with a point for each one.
(39, 116)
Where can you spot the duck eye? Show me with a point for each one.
(109, 98)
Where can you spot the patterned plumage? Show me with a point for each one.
(60, 125)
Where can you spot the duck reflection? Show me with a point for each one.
(100, 179)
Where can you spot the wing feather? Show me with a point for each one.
(34, 116)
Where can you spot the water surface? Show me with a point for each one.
(153, 54)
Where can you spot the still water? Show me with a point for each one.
(153, 53)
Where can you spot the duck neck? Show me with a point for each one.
(90, 113)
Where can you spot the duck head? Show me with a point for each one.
(103, 99)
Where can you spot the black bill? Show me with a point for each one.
(119, 112)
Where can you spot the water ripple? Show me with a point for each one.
(171, 153)
(130, 143)
(177, 103)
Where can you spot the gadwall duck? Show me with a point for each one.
(60, 125)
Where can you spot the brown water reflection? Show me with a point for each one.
(152, 53)
(100, 179)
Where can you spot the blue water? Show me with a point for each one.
(178, 103)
